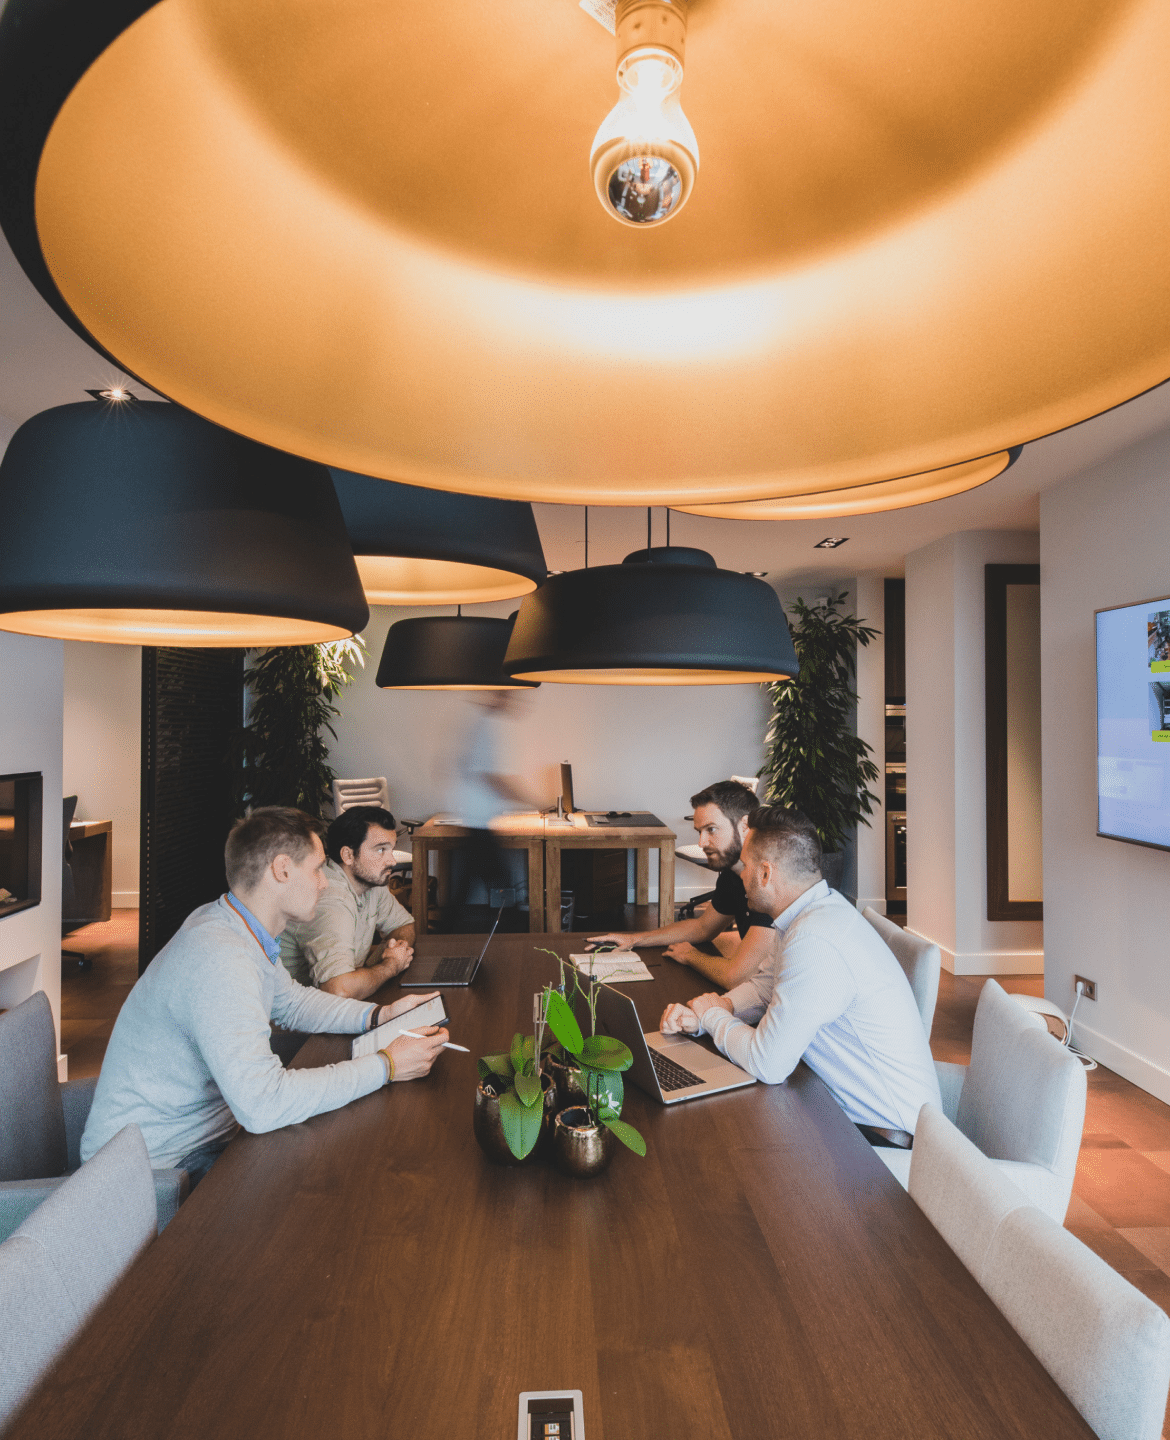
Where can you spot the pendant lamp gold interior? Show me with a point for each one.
(920, 236)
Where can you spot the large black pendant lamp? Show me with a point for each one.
(430, 547)
(140, 523)
(448, 652)
(664, 616)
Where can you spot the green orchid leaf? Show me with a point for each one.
(521, 1125)
(495, 1065)
(517, 1051)
(610, 1090)
(563, 1023)
(602, 1052)
(626, 1134)
(528, 1047)
(528, 1088)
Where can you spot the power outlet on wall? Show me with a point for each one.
(1088, 987)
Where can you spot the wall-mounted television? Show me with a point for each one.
(1133, 723)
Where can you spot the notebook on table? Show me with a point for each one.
(430, 1012)
(429, 972)
(668, 1067)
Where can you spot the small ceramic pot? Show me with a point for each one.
(581, 1148)
(570, 1090)
(489, 1130)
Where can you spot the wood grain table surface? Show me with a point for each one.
(370, 1274)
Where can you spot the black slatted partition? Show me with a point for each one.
(191, 713)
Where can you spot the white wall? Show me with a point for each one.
(631, 747)
(946, 804)
(1103, 543)
(30, 739)
(871, 727)
(102, 748)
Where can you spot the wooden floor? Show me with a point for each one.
(1121, 1200)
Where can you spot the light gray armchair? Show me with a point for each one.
(920, 959)
(1021, 1101)
(40, 1139)
(62, 1261)
(1104, 1343)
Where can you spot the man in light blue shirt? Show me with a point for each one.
(834, 995)
(190, 1060)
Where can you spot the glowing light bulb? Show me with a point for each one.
(645, 156)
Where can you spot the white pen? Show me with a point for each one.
(447, 1044)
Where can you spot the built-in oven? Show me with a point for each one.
(896, 857)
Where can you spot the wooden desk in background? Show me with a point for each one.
(544, 838)
(513, 832)
(92, 862)
(369, 1274)
(641, 839)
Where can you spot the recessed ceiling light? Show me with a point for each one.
(830, 542)
(757, 574)
(117, 393)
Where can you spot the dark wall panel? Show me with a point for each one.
(191, 713)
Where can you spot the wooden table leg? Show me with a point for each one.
(536, 885)
(666, 883)
(642, 874)
(418, 884)
(552, 887)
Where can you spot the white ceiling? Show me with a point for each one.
(43, 363)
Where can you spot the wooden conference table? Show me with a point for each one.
(369, 1274)
(543, 838)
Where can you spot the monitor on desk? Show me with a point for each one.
(567, 788)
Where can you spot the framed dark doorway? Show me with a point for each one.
(1012, 650)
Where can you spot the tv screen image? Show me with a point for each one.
(1133, 723)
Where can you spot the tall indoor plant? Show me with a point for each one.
(290, 703)
(813, 761)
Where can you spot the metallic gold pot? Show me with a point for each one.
(570, 1090)
(581, 1148)
(489, 1130)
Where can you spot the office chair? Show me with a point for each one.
(70, 921)
(1104, 1343)
(63, 1261)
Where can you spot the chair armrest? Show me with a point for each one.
(950, 1084)
(76, 1099)
(19, 1198)
(170, 1190)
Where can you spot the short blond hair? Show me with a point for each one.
(256, 841)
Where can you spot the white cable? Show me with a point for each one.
(1086, 1060)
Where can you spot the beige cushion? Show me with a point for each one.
(920, 959)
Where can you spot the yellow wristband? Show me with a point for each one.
(390, 1063)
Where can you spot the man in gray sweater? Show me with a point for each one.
(190, 1056)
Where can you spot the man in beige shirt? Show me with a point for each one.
(338, 950)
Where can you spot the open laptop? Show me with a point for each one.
(669, 1067)
(427, 973)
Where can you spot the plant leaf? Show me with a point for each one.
(521, 1125)
(610, 1090)
(528, 1088)
(495, 1065)
(626, 1134)
(602, 1052)
(517, 1051)
(563, 1023)
(528, 1048)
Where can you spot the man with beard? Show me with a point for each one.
(339, 949)
(720, 818)
(834, 995)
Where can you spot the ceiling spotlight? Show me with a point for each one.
(830, 542)
(756, 574)
(117, 393)
(645, 156)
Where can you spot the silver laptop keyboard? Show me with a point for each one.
(672, 1076)
(450, 967)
